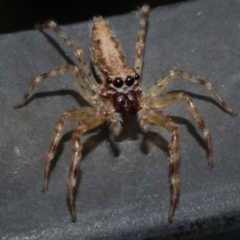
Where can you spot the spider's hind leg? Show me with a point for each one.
(91, 121)
(170, 98)
(162, 120)
(80, 113)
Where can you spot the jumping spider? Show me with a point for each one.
(119, 94)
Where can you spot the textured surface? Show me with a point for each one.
(124, 188)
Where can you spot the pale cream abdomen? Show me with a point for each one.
(107, 53)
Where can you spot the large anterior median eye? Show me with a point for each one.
(129, 81)
(118, 82)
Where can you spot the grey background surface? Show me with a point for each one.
(124, 190)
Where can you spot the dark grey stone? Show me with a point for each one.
(124, 190)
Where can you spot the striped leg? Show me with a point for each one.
(80, 114)
(167, 78)
(141, 39)
(162, 120)
(88, 123)
(77, 51)
(170, 98)
(59, 71)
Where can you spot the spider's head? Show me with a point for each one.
(122, 81)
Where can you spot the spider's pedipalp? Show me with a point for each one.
(160, 119)
(168, 77)
(170, 98)
(83, 66)
(141, 39)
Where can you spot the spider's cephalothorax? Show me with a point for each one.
(124, 93)
(119, 94)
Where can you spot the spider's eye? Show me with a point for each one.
(109, 80)
(118, 82)
(137, 76)
(129, 81)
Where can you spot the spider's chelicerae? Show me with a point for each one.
(119, 94)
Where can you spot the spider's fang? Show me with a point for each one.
(126, 104)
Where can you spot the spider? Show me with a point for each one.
(118, 95)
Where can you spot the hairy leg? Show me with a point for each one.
(170, 98)
(77, 52)
(86, 124)
(80, 114)
(162, 120)
(141, 39)
(167, 78)
(59, 71)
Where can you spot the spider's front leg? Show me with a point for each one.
(168, 77)
(160, 119)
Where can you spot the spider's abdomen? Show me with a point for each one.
(126, 103)
(107, 53)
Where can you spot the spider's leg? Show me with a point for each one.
(168, 77)
(80, 113)
(59, 71)
(141, 40)
(170, 98)
(77, 52)
(162, 120)
(88, 123)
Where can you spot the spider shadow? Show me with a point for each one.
(192, 129)
(76, 96)
(68, 60)
(132, 131)
(58, 47)
(81, 101)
